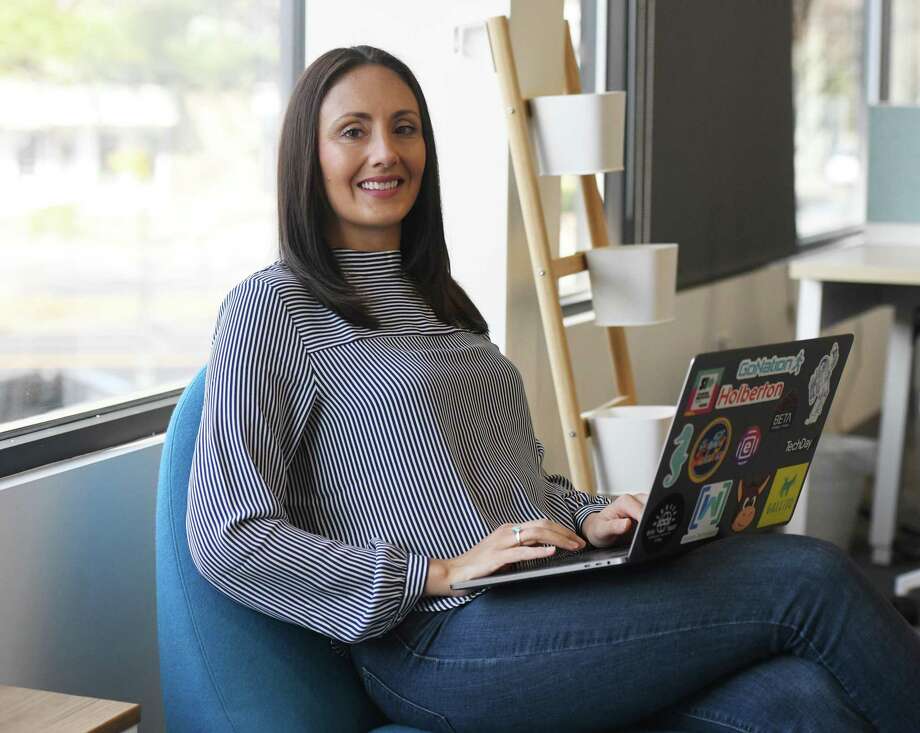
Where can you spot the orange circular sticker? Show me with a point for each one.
(709, 450)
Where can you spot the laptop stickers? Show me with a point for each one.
(819, 384)
(783, 495)
(709, 450)
(744, 435)
(748, 493)
(710, 504)
(679, 455)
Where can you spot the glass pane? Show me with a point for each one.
(905, 52)
(829, 153)
(572, 228)
(137, 157)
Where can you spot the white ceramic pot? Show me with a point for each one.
(576, 134)
(633, 285)
(626, 442)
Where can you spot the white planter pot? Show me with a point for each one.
(626, 443)
(576, 134)
(633, 285)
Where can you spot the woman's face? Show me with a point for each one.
(387, 141)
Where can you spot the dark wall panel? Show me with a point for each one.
(722, 178)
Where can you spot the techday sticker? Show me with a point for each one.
(819, 383)
(710, 503)
(783, 493)
(709, 450)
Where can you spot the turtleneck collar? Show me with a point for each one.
(358, 262)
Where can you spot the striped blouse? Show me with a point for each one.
(333, 461)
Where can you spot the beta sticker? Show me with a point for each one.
(819, 383)
(709, 450)
(748, 445)
(748, 494)
(663, 523)
(783, 494)
(710, 503)
(703, 393)
(785, 411)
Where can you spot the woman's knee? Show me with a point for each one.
(778, 694)
(806, 557)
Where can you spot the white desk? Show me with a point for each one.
(883, 268)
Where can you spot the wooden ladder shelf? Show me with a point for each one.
(547, 269)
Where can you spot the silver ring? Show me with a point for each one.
(517, 534)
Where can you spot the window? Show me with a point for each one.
(582, 16)
(905, 52)
(827, 56)
(137, 157)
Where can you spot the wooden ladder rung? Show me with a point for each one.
(569, 265)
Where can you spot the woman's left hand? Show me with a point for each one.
(604, 528)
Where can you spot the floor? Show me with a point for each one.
(907, 545)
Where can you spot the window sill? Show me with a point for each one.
(29, 445)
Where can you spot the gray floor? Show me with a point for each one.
(908, 518)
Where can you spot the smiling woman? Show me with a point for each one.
(368, 157)
(358, 119)
(364, 447)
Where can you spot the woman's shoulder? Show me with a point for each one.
(275, 288)
(275, 282)
(279, 278)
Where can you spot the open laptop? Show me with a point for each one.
(744, 434)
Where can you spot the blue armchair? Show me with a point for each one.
(223, 666)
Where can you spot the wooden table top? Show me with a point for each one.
(25, 711)
(884, 264)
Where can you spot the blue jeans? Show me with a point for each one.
(764, 632)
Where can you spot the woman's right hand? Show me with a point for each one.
(539, 538)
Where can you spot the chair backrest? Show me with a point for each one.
(223, 666)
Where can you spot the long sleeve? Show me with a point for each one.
(580, 504)
(260, 389)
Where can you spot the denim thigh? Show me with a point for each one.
(608, 648)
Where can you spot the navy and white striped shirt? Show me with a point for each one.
(333, 461)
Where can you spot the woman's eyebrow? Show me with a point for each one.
(366, 116)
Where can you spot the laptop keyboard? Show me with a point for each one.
(560, 557)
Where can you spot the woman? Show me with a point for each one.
(364, 444)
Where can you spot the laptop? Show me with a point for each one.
(742, 439)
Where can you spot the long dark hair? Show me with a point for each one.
(303, 205)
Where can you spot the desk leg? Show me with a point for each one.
(807, 326)
(898, 372)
